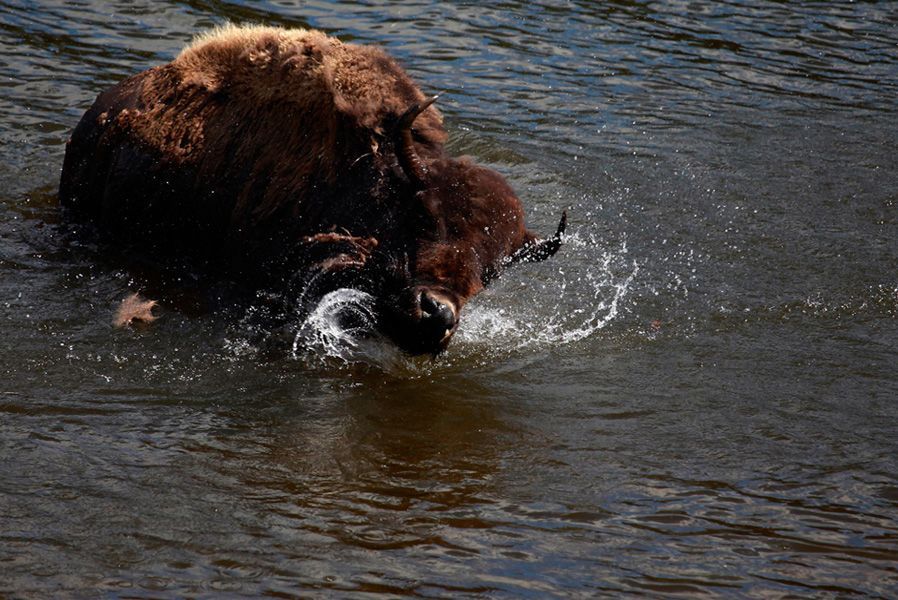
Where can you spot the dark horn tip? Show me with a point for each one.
(562, 225)
(539, 250)
(547, 248)
(426, 104)
(412, 112)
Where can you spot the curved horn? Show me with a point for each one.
(409, 160)
(539, 250)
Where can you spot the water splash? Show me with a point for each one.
(341, 326)
(336, 323)
(563, 307)
(531, 307)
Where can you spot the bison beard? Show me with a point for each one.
(280, 152)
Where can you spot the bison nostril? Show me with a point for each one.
(436, 311)
(428, 304)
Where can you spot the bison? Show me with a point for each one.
(284, 153)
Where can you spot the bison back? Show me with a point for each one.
(249, 139)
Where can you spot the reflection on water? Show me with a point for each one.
(696, 398)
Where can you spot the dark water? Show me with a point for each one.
(698, 397)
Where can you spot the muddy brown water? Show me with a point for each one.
(699, 396)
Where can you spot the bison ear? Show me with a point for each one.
(409, 161)
(536, 250)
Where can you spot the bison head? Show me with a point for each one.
(463, 225)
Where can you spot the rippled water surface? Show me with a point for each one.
(699, 395)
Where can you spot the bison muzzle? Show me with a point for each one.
(289, 156)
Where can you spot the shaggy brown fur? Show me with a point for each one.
(277, 150)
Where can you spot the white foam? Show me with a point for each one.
(568, 306)
(336, 324)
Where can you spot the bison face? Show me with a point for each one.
(453, 227)
(468, 226)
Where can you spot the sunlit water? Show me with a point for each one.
(695, 397)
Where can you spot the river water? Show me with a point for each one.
(698, 395)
